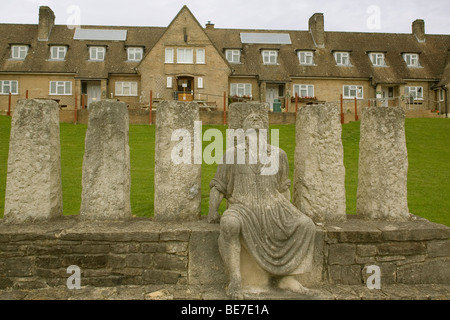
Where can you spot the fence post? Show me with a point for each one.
(75, 114)
(224, 108)
(342, 110)
(356, 109)
(26, 94)
(296, 102)
(9, 105)
(150, 110)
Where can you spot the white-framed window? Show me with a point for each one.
(126, 88)
(169, 82)
(270, 56)
(415, 92)
(185, 55)
(353, 91)
(342, 58)
(200, 83)
(9, 86)
(97, 53)
(241, 90)
(201, 57)
(233, 55)
(19, 52)
(411, 59)
(60, 88)
(441, 95)
(304, 90)
(377, 59)
(135, 54)
(58, 52)
(169, 55)
(306, 57)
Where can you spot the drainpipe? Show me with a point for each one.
(446, 100)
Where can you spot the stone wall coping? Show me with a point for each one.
(71, 228)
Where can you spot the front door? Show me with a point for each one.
(185, 88)
(94, 92)
(272, 94)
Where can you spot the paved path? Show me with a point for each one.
(158, 292)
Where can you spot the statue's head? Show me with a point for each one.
(253, 121)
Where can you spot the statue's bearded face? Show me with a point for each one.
(253, 121)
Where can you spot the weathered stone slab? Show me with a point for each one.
(177, 183)
(33, 184)
(383, 165)
(106, 176)
(319, 173)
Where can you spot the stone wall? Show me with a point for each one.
(141, 251)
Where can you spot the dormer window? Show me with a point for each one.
(135, 54)
(342, 58)
(411, 59)
(233, 56)
(377, 59)
(97, 53)
(19, 52)
(270, 56)
(58, 52)
(306, 57)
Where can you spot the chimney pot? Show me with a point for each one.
(210, 25)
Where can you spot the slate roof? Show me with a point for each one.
(433, 54)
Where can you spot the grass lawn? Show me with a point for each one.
(428, 143)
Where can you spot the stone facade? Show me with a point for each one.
(143, 252)
(33, 186)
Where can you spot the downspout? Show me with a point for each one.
(446, 100)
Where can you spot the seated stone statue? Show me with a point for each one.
(259, 212)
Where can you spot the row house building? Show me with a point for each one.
(186, 61)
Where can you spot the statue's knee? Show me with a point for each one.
(230, 226)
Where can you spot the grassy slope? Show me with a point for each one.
(428, 142)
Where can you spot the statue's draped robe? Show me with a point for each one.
(278, 236)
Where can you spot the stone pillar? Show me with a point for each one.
(106, 177)
(33, 184)
(177, 183)
(319, 173)
(383, 165)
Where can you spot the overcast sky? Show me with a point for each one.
(344, 15)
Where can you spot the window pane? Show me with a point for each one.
(53, 87)
(200, 55)
(118, 88)
(169, 55)
(68, 88)
(14, 87)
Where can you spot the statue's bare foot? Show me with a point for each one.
(234, 289)
(291, 284)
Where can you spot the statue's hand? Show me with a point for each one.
(213, 216)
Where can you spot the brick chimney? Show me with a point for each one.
(418, 29)
(209, 25)
(46, 23)
(316, 28)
